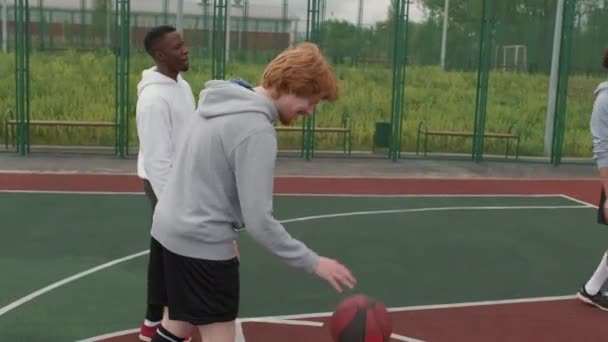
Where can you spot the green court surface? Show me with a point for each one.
(410, 250)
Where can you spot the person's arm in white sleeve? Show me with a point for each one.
(154, 130)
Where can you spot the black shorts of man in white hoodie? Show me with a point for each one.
(165, 104)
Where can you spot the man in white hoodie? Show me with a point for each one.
(222, 184)
(165, 104)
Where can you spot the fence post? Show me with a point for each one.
(399, 66)
(562, 82)
(122, 75)
(483, 75)
(218, 43)
(22, 76)
(313, 31)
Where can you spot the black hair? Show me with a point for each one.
(154, 35)
(605, 61)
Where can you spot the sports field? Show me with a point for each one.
(455, 260)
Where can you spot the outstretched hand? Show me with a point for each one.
(335, 273)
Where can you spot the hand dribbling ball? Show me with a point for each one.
(360, 318)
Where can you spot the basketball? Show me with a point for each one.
(360, 318)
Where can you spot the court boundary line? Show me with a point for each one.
(67, 280)
(573, 199)
(26, 172)
(317, 324)
(29, 297)
(321, 315)
(295, 194)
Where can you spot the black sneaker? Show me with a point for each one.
(599, 299)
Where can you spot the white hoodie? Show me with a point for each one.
(164, 107)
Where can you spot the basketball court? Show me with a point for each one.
(455, 260)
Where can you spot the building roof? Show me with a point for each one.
(190, 7)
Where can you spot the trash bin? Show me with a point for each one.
(382, 134)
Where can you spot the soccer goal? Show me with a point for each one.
(512, 57)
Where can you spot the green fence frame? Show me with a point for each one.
(22, 76)
(218, 44)
(313, 32)
(399, 67)
(122, 44)
(122, 76)
(557, 143)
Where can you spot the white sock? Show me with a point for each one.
(150, 323)
(598, 278)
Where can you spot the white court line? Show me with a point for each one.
(404, 338)
(271, 320)
(318, 325)
(288, 319)
(494, 195)
(365, 178)
(67, 280)
(425, 307)
(110, 335)
(77, 192)
(55, 285)
(578, 201)
(414, 210)
(240, 335)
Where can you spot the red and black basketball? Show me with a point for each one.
(360, 318)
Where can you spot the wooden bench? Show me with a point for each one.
(10, 122)
(425, 132)
(345, 129)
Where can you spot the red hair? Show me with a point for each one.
(303, 71)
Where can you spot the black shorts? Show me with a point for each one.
(196, 291)
(601, 218)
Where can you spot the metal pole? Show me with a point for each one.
(228, 6)
(483, 75)
(179, 17)
(445, 33)
(4, 26)
(557, 34)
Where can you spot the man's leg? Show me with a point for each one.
(203, 293)
(171, 331)
(154, 313)
(591, 292)
(218, 332)
(156, 289)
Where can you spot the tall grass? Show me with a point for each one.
(80, 86)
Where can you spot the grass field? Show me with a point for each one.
(77, 85)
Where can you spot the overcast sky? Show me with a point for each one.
(373, 10)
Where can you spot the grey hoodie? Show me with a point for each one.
(222, 181)
(599, 125)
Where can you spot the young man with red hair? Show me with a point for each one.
(222, 184)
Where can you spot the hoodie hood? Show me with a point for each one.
(152, 77)
(600, 88)
(221, 98)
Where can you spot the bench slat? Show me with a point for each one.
(319, 129)
(65, 123)
(470, 134)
